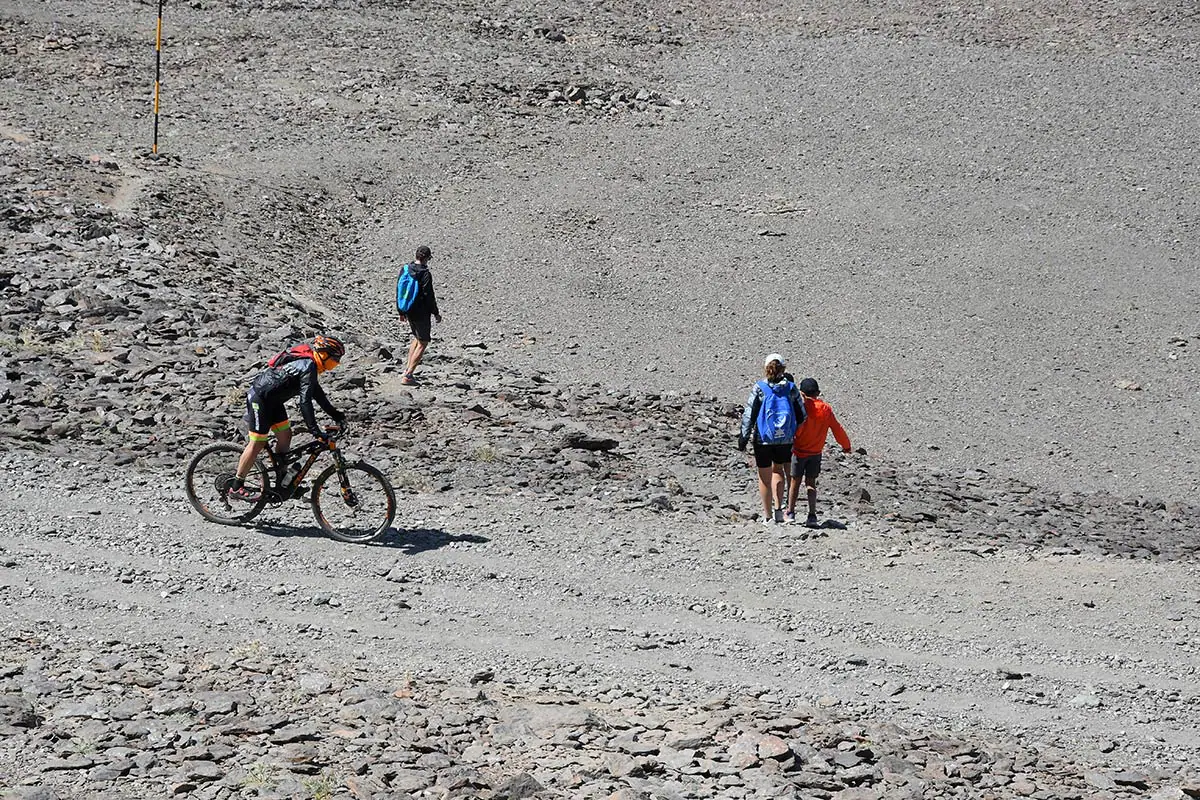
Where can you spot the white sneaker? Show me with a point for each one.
(768, 521)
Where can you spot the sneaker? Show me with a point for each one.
(811, 522)
(243, 494)
(768, 521)
(409, 379)
(789, 518)
(779, 515)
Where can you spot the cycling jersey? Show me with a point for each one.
(297, 378)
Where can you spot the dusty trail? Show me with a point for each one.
(925, 634)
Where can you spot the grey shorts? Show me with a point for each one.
(808, 467)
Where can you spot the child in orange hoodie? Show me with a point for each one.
(807, 447)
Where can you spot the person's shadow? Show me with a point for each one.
(418, 540)
(408, 540)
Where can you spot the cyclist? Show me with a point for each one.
(290, 374)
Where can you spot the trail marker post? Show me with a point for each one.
(157, 73)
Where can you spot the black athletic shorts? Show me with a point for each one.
(422, 325)
(766, 455)
(806, 466)
(263, 416)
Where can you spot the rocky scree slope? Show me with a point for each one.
(124, 344)
(554, 136)
(167, 721)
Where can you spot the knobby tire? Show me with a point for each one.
(211, 470)
(369, 519)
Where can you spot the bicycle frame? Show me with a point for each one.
(352, 501)
(309, 453)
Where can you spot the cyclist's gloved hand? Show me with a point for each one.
(741, 443)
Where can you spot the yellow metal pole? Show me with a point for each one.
(157, 73)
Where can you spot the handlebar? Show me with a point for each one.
(332, 433)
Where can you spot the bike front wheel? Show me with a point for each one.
(355, 504)
(211, 475)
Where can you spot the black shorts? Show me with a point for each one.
(263, 416)
(421, 323)
(766, 455)
(806, 466)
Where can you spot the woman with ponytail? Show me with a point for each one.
(773, 412)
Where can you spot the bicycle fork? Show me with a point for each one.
(348, 494)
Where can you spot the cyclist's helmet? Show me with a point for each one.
(327, 352)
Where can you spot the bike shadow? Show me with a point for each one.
(408, 540)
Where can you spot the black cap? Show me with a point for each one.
(809, 387)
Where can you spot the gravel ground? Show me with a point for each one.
(1089, 657)
(974, 225)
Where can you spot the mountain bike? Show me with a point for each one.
(352, 501)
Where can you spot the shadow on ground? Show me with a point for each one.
(418, 540)
(411, 541)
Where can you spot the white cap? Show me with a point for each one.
(774, 357)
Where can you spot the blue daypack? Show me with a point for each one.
(407, 289)
(776, 422)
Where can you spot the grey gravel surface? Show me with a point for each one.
(975, 225)
(1083, 663)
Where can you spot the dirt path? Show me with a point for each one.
(1092, 651)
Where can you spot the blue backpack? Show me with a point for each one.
(776, 422)
(407, 289)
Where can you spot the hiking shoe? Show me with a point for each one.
(409, 379)
(243, 494)
(789, 518)
(811, 522)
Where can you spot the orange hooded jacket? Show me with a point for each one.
(810, 437)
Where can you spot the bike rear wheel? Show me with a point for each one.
(355, 506)
(211, 474)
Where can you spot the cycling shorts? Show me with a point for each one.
(263, 416)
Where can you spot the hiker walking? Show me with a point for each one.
(807, 447)
(774, 411)
(417, 305)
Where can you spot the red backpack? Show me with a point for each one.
(291, 354)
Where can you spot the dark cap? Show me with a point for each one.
(809, 387)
